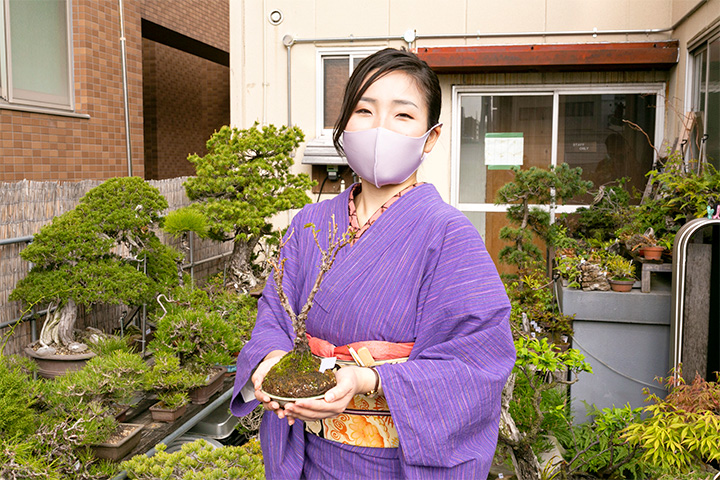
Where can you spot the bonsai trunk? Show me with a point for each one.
(524, 460)
(60, 328)
(240, 274)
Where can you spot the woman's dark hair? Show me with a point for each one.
(378, 65)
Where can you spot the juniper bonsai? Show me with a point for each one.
(239, 185)
(94, 254)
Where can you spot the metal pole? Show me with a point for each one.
(125, 88)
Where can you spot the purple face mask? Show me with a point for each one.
(383, 157)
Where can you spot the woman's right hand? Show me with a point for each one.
(257, 378)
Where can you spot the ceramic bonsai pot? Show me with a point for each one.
(115, 451)
(50, 366)
(283, 400)
(201, 395)
(162, 414)
(652, 253)
(621, 285)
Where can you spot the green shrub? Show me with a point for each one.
(199, 461)
(18, 395)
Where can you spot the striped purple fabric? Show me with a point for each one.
(420, 273)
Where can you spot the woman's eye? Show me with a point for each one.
(405, 115)
(362, 110)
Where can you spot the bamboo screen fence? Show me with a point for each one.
(26, 206)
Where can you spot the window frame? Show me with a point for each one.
(321, 54)
(692, 80)
(7, 99)
(556, 90)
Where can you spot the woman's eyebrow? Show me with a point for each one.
(398, 101)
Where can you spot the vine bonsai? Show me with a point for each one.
(243, 181)
(297, 374)
(94, 254)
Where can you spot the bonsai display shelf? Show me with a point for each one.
(648, 267)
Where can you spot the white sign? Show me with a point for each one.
(503, 150)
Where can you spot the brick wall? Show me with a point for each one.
(190, 102)
(38, 146)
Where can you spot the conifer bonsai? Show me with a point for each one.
(94, 254)
(297, 374)
(239, 185)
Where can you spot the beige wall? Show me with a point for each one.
(258, 60)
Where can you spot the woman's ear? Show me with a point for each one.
(432, 138)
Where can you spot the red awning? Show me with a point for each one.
(576, 56)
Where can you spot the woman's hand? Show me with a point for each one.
(351, 381)
(259, 375)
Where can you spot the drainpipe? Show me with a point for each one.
(123, 53)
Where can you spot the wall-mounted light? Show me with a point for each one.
(275, 17)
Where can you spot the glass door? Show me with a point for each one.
(605, 130)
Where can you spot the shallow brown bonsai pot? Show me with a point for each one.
(201, 395)
(116, 450)
(50, 366)
(621, 285)
(162, 414)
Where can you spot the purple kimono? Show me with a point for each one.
(419, 274)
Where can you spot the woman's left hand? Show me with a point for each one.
(351, 381)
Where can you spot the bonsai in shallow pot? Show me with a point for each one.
(201, 337)
(171, 384)
(95, 254)
(297, 374)
(621, 271)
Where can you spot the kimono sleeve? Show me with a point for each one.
(445, 400)
(273, 329)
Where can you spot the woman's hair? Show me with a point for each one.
(378, 65)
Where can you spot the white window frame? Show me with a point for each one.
(7, 100)
(321, 54)
(458, 91)
(692, 64)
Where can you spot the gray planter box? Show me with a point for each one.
(626, 339)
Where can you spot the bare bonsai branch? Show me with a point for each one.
(327, 258)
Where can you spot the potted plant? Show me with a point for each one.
(199, 460)
(297, 375)
(171, 384)
(94, 254)
(105, 385)
(621, 271)
(201, 337)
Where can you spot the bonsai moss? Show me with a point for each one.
(297, 375)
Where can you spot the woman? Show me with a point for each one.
(416, 287)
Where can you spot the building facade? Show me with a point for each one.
(607, 86)
(63, 114)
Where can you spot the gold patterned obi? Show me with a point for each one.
(366, 422)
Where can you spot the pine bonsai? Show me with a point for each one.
(297, 374)
(239, 185)
(94, 254)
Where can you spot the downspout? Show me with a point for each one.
(123, 53)
(411, 37)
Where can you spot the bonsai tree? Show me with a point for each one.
(534, 186)
(297, 373)
(199, 460)
(239, 185)
(170, 382)
(197, 332)
(94, 254)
